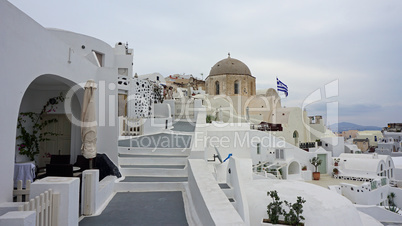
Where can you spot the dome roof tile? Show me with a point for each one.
(230, 66)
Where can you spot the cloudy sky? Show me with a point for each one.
(306, 44)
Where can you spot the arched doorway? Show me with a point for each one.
(293, 169)
(296, 138)
(67, 141)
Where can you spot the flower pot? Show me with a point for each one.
(316, 175)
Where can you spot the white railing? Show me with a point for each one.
(20, 192)
(45, 205)
(130, 126)
(269, 168)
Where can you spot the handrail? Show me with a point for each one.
(278, 167)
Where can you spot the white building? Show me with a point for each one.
(392, 142)
(366, 166)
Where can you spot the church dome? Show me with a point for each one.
(230, 66)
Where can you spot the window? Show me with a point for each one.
(258, 148)
(236, 87)
(122, 105)
(216, 88)
(279, 154)
(123, 71)
(99, 57)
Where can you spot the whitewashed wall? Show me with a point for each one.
(364, 195)
(140, 99)
(27, 51)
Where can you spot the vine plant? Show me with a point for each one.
(31, 138)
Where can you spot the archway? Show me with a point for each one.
(68, 140)
(294, 168)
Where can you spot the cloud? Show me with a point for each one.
(307, 44)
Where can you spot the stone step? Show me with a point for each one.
(153, 179)
(161, 140)
(152, 160)
(150, 156)
(156, 172)
(154, 166)
(155, 151)
(149, 186)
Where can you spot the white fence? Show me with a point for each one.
(130, 126)
(20, 192)
(44, 205)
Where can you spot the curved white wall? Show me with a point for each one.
(27, 50)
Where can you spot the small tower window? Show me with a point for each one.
(216, 88)
(236, 87)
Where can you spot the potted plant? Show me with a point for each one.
(210, 118)
(319, 142)
(274, 209)
(335, 171)
(304, 168)
(336, 161)
(316, 162)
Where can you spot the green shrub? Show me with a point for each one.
(274, 209)
(210, 118)
(293, 217)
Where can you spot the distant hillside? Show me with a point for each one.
(345, 126)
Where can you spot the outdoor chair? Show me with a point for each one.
(59, 170)
(60, 159)
(83, 163)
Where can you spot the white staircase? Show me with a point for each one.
(147, 169)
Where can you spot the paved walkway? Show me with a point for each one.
(141, 208)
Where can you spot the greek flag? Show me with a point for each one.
(281, 86)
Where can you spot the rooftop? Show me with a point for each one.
(327, 180)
